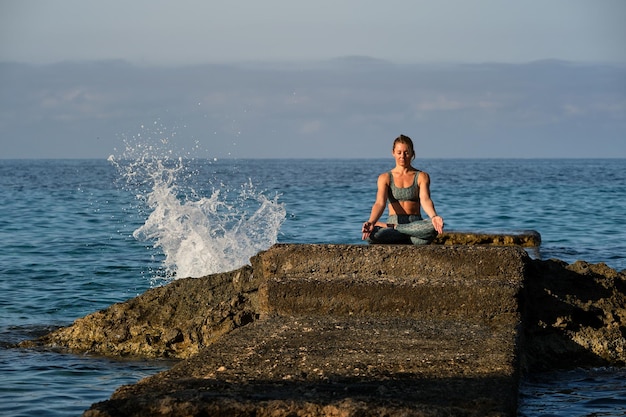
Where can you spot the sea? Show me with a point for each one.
(77, 235)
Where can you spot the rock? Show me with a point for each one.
(575, 315)
(524, 238)
(173, 321)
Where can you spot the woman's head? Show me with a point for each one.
(404, 140)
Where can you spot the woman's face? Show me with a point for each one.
(402, 154)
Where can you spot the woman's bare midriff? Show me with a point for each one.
(410, 208)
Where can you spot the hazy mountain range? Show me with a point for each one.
(345, 107)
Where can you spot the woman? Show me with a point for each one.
(407, 189)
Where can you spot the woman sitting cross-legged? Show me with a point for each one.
(408, 191)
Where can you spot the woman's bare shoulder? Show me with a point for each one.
(384, 177)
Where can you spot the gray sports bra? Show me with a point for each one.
(410, 193)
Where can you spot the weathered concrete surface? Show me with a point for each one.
(357, 330)
(325, 366)
(469, 283)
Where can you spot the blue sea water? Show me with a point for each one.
(79, 235)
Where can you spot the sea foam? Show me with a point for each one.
(197, 234)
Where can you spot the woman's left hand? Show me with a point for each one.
(438, 224)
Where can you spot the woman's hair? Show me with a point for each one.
(406, 141)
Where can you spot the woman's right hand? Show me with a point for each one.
(367, 230)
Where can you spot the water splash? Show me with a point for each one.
(197, 234)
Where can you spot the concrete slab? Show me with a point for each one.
(349, 330)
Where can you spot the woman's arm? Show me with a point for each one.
(379, 205)
(423, 181)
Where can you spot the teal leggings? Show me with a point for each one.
(409, 229)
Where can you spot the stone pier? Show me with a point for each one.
(355, 330)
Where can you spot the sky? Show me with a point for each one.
(199, 31)
(288, 63)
